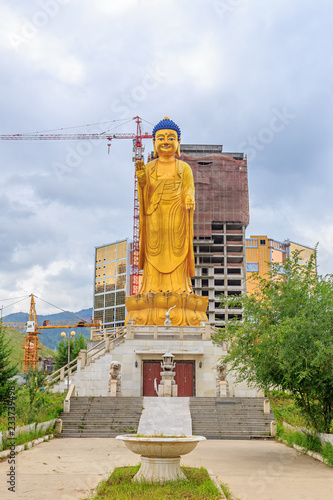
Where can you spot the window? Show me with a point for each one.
(111, 252)
(100, 272)
(110, 269)
(252, 267)
(120, 313)
(262, 242)
(109, 315)
(99, 301)
(100, 255)
(121, 281)
(98, 315)
(121, 266)
(110, 284)
(109, 299)
(99, 286)
(121, 249)
(120, 298)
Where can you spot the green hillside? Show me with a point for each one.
(17, 341)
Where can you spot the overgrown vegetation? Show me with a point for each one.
(120, 486)
(308, 442)
(24, 437)
(7, 371)
(33, 403)
(285, 340)
(286, 410)
(45, 407)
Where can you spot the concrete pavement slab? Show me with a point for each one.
(67, 469)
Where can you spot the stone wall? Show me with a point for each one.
(93, 380)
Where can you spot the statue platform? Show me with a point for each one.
(151, 308)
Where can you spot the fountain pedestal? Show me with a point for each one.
(160, 456)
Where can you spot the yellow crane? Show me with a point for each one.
(31, 342)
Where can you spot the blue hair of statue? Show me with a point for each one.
(167, 124)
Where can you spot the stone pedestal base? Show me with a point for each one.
(159, 470)
(113, 388)
(168, 388)
(150, 308)
(223, 388)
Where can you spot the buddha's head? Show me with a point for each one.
(166, 138)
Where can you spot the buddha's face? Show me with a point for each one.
(166, 142)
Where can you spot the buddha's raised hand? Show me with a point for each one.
(139, 166)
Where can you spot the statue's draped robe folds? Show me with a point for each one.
(166, 229)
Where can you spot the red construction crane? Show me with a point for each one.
(138, 155)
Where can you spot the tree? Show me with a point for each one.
(7, 371)
(61, 358)
(35, 381)
(285, 339)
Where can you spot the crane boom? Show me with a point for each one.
(70, 137)
(138, 155)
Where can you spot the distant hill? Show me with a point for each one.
(66, 316)
(16, 342)
(51, 338)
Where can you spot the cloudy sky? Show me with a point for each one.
(253, 75)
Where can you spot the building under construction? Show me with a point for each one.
(220, 218)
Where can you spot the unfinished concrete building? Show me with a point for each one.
(220, 219)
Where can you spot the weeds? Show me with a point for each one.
(24, 438)
(46, 406)
(308, 442)
(227, 492)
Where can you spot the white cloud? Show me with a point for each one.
(220, 76)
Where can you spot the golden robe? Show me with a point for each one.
(166, 229)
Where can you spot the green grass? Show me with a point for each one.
(120, 486)
(17, 341)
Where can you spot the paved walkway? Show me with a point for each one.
(67, 469)
(166, 416)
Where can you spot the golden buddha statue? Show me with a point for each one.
(166, 197)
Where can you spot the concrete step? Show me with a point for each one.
(101, 417)
(230, 418)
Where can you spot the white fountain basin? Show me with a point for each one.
(160, 456)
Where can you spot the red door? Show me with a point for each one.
(184, 377)
(151, 371)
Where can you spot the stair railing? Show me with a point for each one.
(109, 341)
(67, 400)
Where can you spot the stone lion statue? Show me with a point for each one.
(115, 368)
(115, 377)
(221, 376)
(221, 372)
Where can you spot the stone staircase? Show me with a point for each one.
(214, 418)
(101, 416)
(230, 418)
